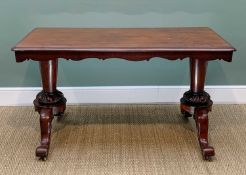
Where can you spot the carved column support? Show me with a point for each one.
(196, 102)
(196, 96)
(49, 103)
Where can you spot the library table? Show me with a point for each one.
(48, 45)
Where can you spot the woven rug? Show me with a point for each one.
(123, 139)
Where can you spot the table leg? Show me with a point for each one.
(49, 103)
(196, 102)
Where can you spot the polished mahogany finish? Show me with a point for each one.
(75, 43)
(47, 45)
(124, 39)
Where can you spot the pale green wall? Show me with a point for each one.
(17, 17)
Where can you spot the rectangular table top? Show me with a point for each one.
(123, 39)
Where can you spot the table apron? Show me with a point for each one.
(130, 56)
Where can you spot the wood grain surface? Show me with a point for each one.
(123, 39)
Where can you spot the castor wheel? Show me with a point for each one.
(208, 153)
(42, 152)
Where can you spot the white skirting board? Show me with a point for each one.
(24, 96)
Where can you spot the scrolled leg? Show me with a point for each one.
(201, 118)
(46, 117)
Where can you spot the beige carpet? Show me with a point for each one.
(123, 139)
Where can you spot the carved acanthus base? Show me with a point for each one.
(49, 98)
(55, 100)
(196, 99)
